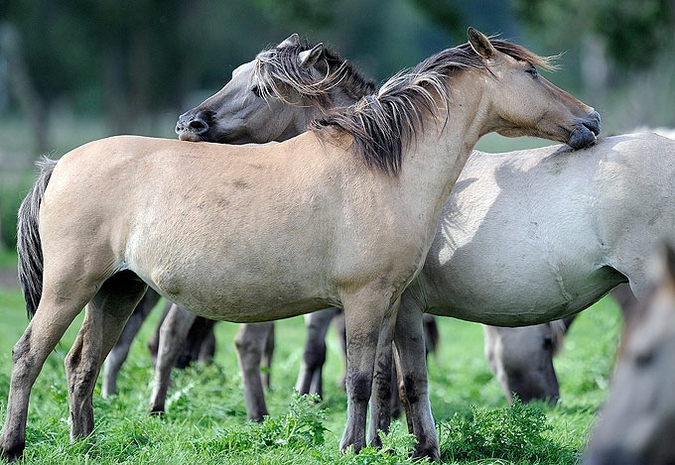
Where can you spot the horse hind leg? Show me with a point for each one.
(410, 343)
(173, 333)
(54, 315)
(120, 351)
(268, 353)
(250, 342)
(105, 317)
(200, 345)
(314, 356)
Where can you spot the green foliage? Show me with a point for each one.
(205, 420)
(634, 31)
(397, 447)
(299, 429)
(516, 433)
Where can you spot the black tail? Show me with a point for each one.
(431, 335)
(29, 245)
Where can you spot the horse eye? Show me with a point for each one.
(255, 89)
(548, 343)
(532, 71)
(644, 358)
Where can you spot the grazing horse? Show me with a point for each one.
(342, 215)
(637, 423)
(522, 359)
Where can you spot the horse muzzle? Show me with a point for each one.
(192, 127)
(586, 132)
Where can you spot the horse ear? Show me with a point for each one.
(480, 43)
(292, 40)
(307, 58)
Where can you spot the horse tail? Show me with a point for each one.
(29, 246)
(559, 329)
(431, 335)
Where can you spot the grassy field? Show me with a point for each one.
(206, 419)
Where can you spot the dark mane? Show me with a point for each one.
(384, 123)
(279, 65)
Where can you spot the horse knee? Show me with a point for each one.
(415, 387)
(359, 386)
(248, 348)
(315, 354)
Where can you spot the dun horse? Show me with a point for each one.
(636, 425)
(296, 82)
(343, 215)
(547, 177)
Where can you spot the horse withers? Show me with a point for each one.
(637, 423)
(343, 215)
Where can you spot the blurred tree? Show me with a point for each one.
(633, 32)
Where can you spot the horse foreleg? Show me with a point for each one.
(207, 346)
(250, 342)
(409, 338)
(380, 402)
(268, 353)
(52, 318)
(105, 317)
(172, 337)
(367, 314)
(310, 376)
(120, 351)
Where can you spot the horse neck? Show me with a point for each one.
(309, 111)
(432, 163)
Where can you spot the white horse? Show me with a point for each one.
(343, 215)
(537, 231)
(522, 358)
(637, 423)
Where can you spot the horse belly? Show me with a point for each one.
(506, 290)
(236, 277)
(240, 296)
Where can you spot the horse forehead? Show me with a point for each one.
(243, 71)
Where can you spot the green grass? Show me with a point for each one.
(206, 418)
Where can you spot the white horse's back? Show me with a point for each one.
(521, 249)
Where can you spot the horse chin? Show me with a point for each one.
(190, 137)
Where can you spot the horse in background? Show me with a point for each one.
(637, 423)
(281, 246)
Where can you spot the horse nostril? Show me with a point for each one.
(198, 126)
(594, 123)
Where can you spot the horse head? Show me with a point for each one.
(637, 422)
(275, 96)
(525, 103)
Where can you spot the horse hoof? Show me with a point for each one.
(156, 412)
(12, 454)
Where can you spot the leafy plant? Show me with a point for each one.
(516, 434)
(397, 447)
(300, 428)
